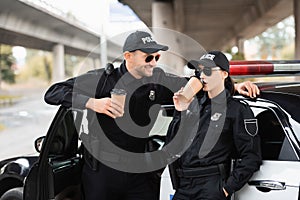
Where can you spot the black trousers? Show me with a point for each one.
(200, 188)
(110, 184)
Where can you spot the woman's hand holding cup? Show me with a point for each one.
(184, 96)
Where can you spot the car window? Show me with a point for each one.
(275, 145)
(271, 134)
(65, 141)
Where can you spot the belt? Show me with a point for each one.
(202, 171)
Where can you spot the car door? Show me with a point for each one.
(279, 175)
(57, 173)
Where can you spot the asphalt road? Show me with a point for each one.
(23, 122)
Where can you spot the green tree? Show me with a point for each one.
(272, 43)
(288, 52)
(38, 65)
(48, 68)
(238, 56)
(6, 64)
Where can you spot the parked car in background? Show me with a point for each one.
(56, 172)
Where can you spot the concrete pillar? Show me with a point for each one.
(162, 14)
(104, 9)
(0, 68)
(240, 45)
(58, 71)
(164, 30)
(297, 31)
(96, 63)
(297, 28)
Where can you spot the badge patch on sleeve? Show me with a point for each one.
(251, 126)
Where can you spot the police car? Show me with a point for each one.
(55, 173)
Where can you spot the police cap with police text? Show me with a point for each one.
(211, 59)
(142, 41)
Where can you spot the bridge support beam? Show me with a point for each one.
(297, 28)
(164, 30)
(58, 71)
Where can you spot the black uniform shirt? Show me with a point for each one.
(225, 130)
(143, 100)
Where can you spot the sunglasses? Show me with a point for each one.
(207, 70)
(150, 58)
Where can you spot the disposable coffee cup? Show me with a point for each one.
(193, 86)
(118, 95)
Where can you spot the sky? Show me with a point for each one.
(120, 17)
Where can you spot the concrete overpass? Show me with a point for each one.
(215, 24)
(29, 25)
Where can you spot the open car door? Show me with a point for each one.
(57, 173)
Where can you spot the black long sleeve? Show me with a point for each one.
(74, 92)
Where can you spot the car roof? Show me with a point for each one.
(285, 94)
(289, 102)
(282, 87)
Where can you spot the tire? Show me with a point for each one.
(13, 194)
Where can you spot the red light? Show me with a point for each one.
(251, 68)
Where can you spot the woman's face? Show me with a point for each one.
(213, 83)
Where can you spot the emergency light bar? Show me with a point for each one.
(264, 67)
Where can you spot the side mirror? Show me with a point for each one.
(38, 143)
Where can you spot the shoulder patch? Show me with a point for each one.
(251, 126)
